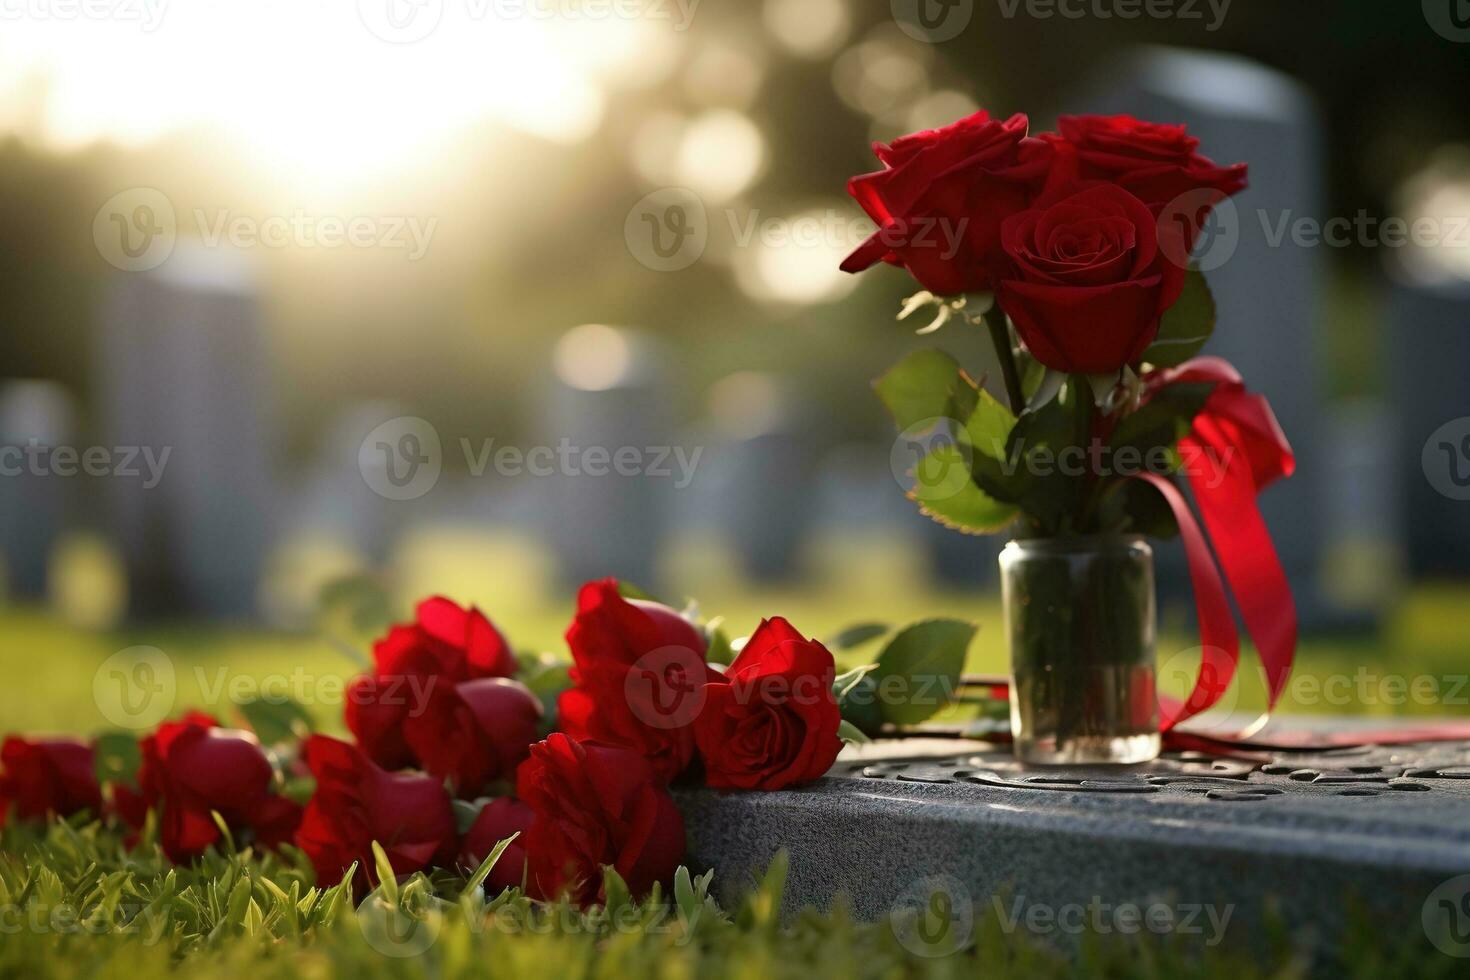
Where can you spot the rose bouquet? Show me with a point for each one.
(514, 769)
(1072, 251)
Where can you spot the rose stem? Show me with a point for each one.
(1000, 336)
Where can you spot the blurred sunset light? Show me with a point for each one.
(319, 89)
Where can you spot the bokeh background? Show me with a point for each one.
(322, 254)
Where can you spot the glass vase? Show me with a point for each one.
(1080, 621)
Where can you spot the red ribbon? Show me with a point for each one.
(1235, 449)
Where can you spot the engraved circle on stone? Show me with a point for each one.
(1356, 772)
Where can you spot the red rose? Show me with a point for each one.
(193, 769)
(595, 805)
(772, 719)
(498, 820)
(446, 645)
(941, 198)
(1091, 281)
(46, 776)
(638, 678)
(1158, 164)
(1153, 161)
(475, 732)
(356, 803)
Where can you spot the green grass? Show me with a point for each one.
(227, 916)
(50, 666)
(74, 903)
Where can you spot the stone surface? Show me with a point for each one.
(1310, 835)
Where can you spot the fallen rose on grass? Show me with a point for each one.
(474, 733)
(45, 777)
(193, 769)
(771, 721)
(595, 805)
(446, 645)
(356, 803)
(638, 677)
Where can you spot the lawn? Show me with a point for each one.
(77, 904)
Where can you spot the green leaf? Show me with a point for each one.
(852, 637)
(989, 425)
(719, 650)
(117, 757)
(925, 385)
(276, 720)
(466, 812)
(1049, 496)
(1187, 325)
(547, 684)
(851, 733)
(919, 670)
(859, 705)
(945, 490)
(1163, 420)
(362, 598)
(1135, 506)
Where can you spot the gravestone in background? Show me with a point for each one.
(182, 366)
(35, 417)
(1269, 295)
(608, 392)
(338, 500)
(1429, 354)
(763, 455)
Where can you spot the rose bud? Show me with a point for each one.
(638, 678)
(595, 805)
(771, 721)
(356, 803)
(497, 821)
(193, 769)
(474, 733)
(46, 777)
